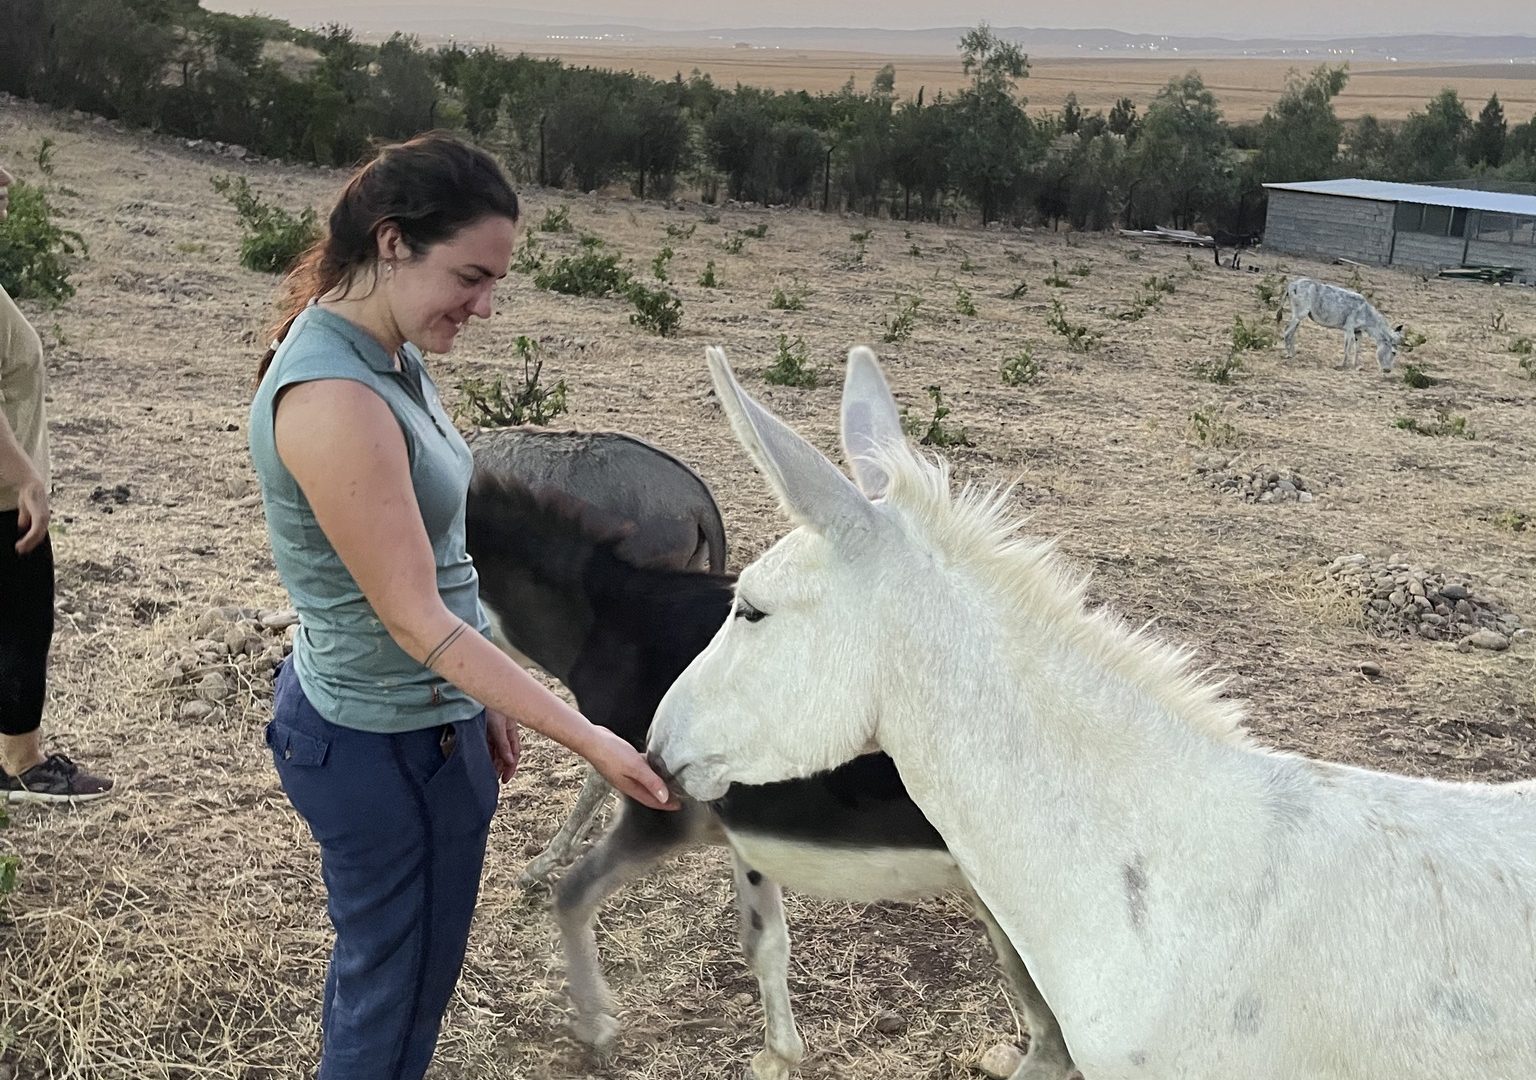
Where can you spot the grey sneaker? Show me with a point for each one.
(56, 780)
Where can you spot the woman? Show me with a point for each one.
(378, 735)
(27, 774)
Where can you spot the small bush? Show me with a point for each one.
(915, 251)
(964, 305)
(1245, 337)
(756, 232)
(899, 326)
(793, 300)
(732, 245)
(1416, 378)
(36, 254)
(1522, 346)
(1513, 520)
(529, 257)
(1412, 339)
(43, 155)
(1209, 430)
(1444, 424)
(1081, 270)
(861, 237)
(1528, 366)
(659, 263)
(557, 219)
(1018, 290)
(709, 279)
(1164, 284)
(934, 431)
(1079, 337)
(1270, 290)
(1056, 279)
(273, 238)
(791, 365)
(587, 273)
(489, 404)
(681, 232)
(1020, 369)
(1219, 371)
(966, 266)
(656, 310)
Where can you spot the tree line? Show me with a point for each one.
(323, 96)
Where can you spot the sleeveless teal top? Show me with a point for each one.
(351, 670)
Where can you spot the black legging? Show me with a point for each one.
(26, 628)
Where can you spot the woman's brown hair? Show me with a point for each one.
(431, 187)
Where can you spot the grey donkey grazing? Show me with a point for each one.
(1341, 309)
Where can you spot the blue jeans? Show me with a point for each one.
(401, 821)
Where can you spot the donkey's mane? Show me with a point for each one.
(976, 527)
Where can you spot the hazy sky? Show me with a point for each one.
(1226, 18)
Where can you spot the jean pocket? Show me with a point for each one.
(293, 747)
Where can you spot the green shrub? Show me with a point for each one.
(732, 245)
(1209, 430)
(557, 219)
(681, 232)
(963, 302)
(1219, 371)
(1270, 289)
(709, 279)
(1522, 346)
(1056, 279)
(934, 431)
(1020, 369)
(529, 257)
(1416, 378)
(756, 232)
(1079, 337)
(273, 239)
(899, 326)
(489, 404)
(1081, 270)
(794, 300)
(659, 263)
(656, 310)
(36, 255)
(586, 273)
(791, 365)
(1444, 425)
(1244, 337)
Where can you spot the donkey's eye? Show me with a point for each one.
(744, 610)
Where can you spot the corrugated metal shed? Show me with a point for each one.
(1496, 202)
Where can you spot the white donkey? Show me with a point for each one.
(1341, 309)
(1191, 905)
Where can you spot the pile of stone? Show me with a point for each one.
(1261, 484)
(1399, 597)
(231, 648)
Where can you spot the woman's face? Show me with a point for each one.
(434, 293)
(6, 180)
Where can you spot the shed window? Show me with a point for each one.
(1437, 220)
(1409, 216)
(1497, 227)
(1524, 230)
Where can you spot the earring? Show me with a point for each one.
(389, 267)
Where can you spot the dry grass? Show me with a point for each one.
(177, 931)
(1244, 87)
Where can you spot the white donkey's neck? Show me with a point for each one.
(1080, 805)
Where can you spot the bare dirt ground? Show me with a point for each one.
(1245, 87)
(178, 930)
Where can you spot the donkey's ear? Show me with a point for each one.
(812, 489)
(870, 420)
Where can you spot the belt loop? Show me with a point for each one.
(437, 694)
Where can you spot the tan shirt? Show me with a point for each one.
(23, 381)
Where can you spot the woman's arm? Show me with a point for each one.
(344, 447)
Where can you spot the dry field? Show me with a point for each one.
(1245, 88)
(177, 930)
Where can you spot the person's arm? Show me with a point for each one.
(343, 446)
(17, 470)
